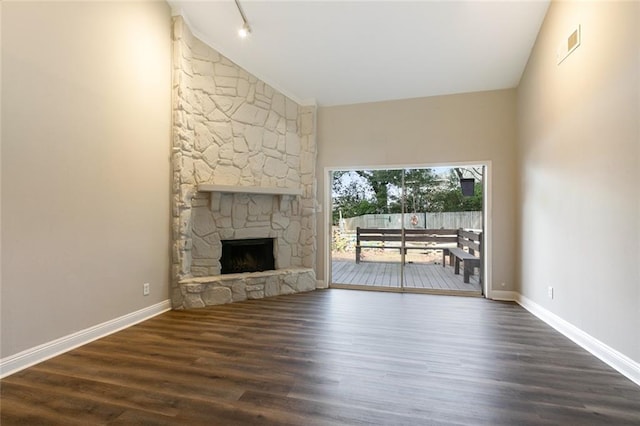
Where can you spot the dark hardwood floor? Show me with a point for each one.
(332, 357)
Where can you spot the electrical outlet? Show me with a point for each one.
(550, 292)
(145, 289)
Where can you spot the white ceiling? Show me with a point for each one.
(346, 52)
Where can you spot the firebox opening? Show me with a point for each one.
(251, 255)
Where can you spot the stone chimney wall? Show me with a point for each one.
(230, 128)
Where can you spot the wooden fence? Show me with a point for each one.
(448, 220)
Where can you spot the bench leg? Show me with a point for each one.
(358, 254)
(468, 271)
(445, 253)
(457, 266)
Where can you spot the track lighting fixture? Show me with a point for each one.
(246, 29)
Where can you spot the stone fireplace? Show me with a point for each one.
(243, 169)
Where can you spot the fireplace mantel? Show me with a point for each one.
(206, 187)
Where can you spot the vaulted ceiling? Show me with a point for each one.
(345, 52)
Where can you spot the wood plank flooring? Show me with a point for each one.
(329, 357)
(418, 276)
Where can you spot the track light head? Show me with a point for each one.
(244, 31)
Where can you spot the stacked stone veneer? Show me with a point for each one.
(229, 128)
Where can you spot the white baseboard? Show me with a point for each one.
(27, 358)
(509, 296)
(618, 361)
(321, 284)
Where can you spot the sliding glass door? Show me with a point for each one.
(392, 229)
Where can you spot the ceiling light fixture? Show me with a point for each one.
(246, 29)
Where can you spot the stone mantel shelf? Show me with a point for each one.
(206, 187)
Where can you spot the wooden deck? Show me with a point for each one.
(430, 278)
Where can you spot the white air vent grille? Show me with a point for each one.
(569, 44)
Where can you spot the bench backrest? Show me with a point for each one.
(471, 240)
(463, 238)
(410, 235)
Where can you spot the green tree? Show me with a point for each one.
(449, 197)
(386, 186)
(380, 182)
(356, 193)
(351, 196)
(420, 185)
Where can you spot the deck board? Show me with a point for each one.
(417, 276)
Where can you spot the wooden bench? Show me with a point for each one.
(472, 241)
(441, 239)
(414, 239)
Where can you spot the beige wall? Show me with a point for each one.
(579, 142)
(469, 128)
(85, 165)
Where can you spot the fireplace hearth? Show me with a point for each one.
(248, 255)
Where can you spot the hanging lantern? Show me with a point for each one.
(467, 185)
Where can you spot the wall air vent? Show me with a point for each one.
(569, 44)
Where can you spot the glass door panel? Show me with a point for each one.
(366, 234)
(417, 186)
